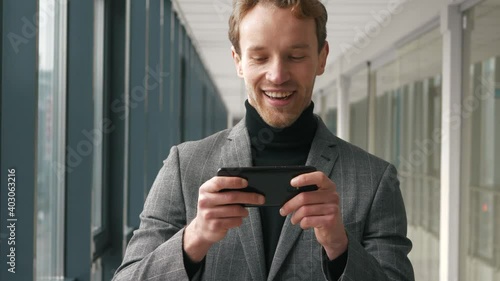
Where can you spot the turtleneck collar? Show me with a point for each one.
(300, 132)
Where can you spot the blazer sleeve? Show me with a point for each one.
(155, 250)
(383, 252)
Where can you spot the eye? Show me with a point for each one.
(259, 59)
(297, 58)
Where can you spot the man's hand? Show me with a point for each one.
(217, 213)
(319, 209)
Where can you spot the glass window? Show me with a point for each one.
(97, 270)
(431, 143)
(408, 126)
(325, 105)
(386, 83)
(97, 176)
(358, 100)
(480, 113)
(51, 140)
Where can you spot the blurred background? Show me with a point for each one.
(94, 93)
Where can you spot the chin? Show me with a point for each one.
(280, 121)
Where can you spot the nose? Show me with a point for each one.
(278, 72)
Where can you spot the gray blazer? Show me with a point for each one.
(372, 209)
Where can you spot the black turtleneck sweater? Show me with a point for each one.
(279, 147)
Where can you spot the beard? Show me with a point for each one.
(275, 117)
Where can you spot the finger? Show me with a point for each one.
(224, 224)
(228, 211)
(317, 178)
(310, 198)
(318, 221)
(216, 184)
(313, 210)
(230, 197)
(239, 197)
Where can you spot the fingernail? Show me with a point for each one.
(262, 200)
(244, 182)
(294, 182)
(282, 212)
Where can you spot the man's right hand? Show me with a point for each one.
(217, 213)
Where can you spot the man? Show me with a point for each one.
(352, 228)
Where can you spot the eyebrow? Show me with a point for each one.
(296, 46)
(255, 48)
(301, 46)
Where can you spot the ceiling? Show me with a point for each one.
(207, 23)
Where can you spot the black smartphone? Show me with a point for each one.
(271, 181)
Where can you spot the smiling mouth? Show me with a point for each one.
(278, 95)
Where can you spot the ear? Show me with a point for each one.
(323, 55)
(237, 62)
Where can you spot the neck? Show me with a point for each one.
(301, 131)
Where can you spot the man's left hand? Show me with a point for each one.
(320, 210)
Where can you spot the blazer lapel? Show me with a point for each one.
(323, 156)
(237, 153)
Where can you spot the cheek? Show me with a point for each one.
(253, 74)
(305, 79)
(305, 73)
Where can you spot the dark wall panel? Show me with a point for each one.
(167, 79)
(175, 95)
(154, 76)
(18, 126)
(80, 112)
(138, 95)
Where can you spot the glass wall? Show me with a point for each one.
(51, 140)
(108, 114)
(408, 110)
(98, 139)
(97, 173)
(386, 85)
(358, 100)
(480, 252)
(325, 105)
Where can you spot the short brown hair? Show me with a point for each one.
(300, 8)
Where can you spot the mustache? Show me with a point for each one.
(285, 86)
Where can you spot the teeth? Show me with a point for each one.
(278, 95)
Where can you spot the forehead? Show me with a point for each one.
(267, 26)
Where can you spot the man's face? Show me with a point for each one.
(279, 62)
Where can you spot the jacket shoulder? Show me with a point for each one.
(360, 157)
(203, 147)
